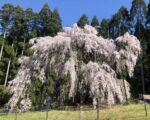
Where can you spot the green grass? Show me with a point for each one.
(126, 112)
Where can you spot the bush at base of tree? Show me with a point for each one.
(5, 94)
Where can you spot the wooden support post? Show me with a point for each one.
(143, 86)
(16, 115)
(124, 85)
(98, 107)
(47, 114)
(79, 111)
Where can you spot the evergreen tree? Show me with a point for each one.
(34, 26)
(148, 16)
(147, 59)
(30, 26)
(124, 20)
(55, 23)
(119, 23)
(138, 13)
(140, 33)
(19, 29)
(139, 22)
(95, 22)
(5, 22)
(10, 54)
(44, 20)
(83, 21)
(6, 49)
(8, 65)
(31, 22)
(104, 30)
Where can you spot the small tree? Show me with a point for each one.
(39, 91)
(4, 95)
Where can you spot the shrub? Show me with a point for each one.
(5, 95)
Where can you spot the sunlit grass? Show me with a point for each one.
(120, 112)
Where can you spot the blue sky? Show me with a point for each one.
(71, 10)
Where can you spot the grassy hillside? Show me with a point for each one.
(130, 112)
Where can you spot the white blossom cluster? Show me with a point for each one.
(76, 52)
